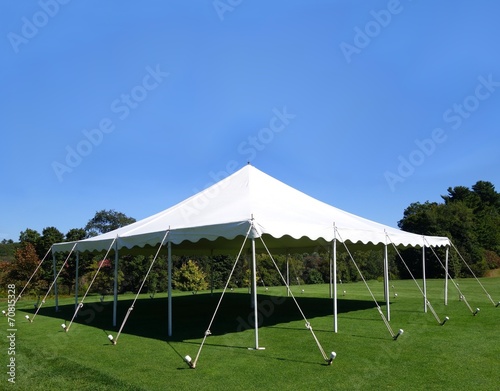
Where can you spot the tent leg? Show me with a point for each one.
(446, 279)
(76, 279)
(56, 296)
(423, 276)
(330, 281)
(211, 273)
(386, 283)
(115, 286)
(169, 272)
(287, 276)
(254, 296)
(334, 275)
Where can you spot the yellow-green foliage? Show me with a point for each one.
(190, 277)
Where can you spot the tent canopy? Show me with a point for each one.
(250, 201)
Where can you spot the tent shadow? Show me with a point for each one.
(192, 314)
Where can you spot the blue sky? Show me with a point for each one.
(134, 106)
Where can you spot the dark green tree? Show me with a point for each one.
(50, 235)
(106, 221)
(75, 234)
(469, 217)
(29, 235)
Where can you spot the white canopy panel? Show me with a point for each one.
(251, 200)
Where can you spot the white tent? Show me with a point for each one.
(248, 201)
(281, 214)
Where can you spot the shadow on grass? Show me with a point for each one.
(192, 314)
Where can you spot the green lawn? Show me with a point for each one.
(462, 355)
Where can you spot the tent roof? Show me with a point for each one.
(250, 200)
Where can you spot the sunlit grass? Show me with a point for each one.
(464, 354)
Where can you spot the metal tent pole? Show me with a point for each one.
(335, 308)
(76, 278)
(386, 282)
(423, 276)
(287, 275)
(446, 278)
(56, 296)
(169, 272)
(254, 296)
(115, 286)
(330, 269)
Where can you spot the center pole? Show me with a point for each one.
(169, 283)
(334, 289)
(386, 282)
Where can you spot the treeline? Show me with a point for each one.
(469, 217)
(189, 273)
(18, 261)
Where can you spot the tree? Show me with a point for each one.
(29, 235)
(7, 249)
(68, 273)
(487, 194)
(134, 269)
(75, 234)
(50, 235)
(103, 283)
(189, 277)
(314, 277)
(105, 221)
(217, 268)
(25, 263)
(469, 217)
(317, 270)
(462, 194)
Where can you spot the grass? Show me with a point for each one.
(462, 355)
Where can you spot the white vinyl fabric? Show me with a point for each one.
(251, 200)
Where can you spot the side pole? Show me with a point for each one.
(115, 286)
(169, 272)
(76, 278)
(287, 276)
(446, 279)
(335, 308)
(423, 276)
(330, 281)
(254, 295)
(386, 283)
(56, 296)
(212, 273)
